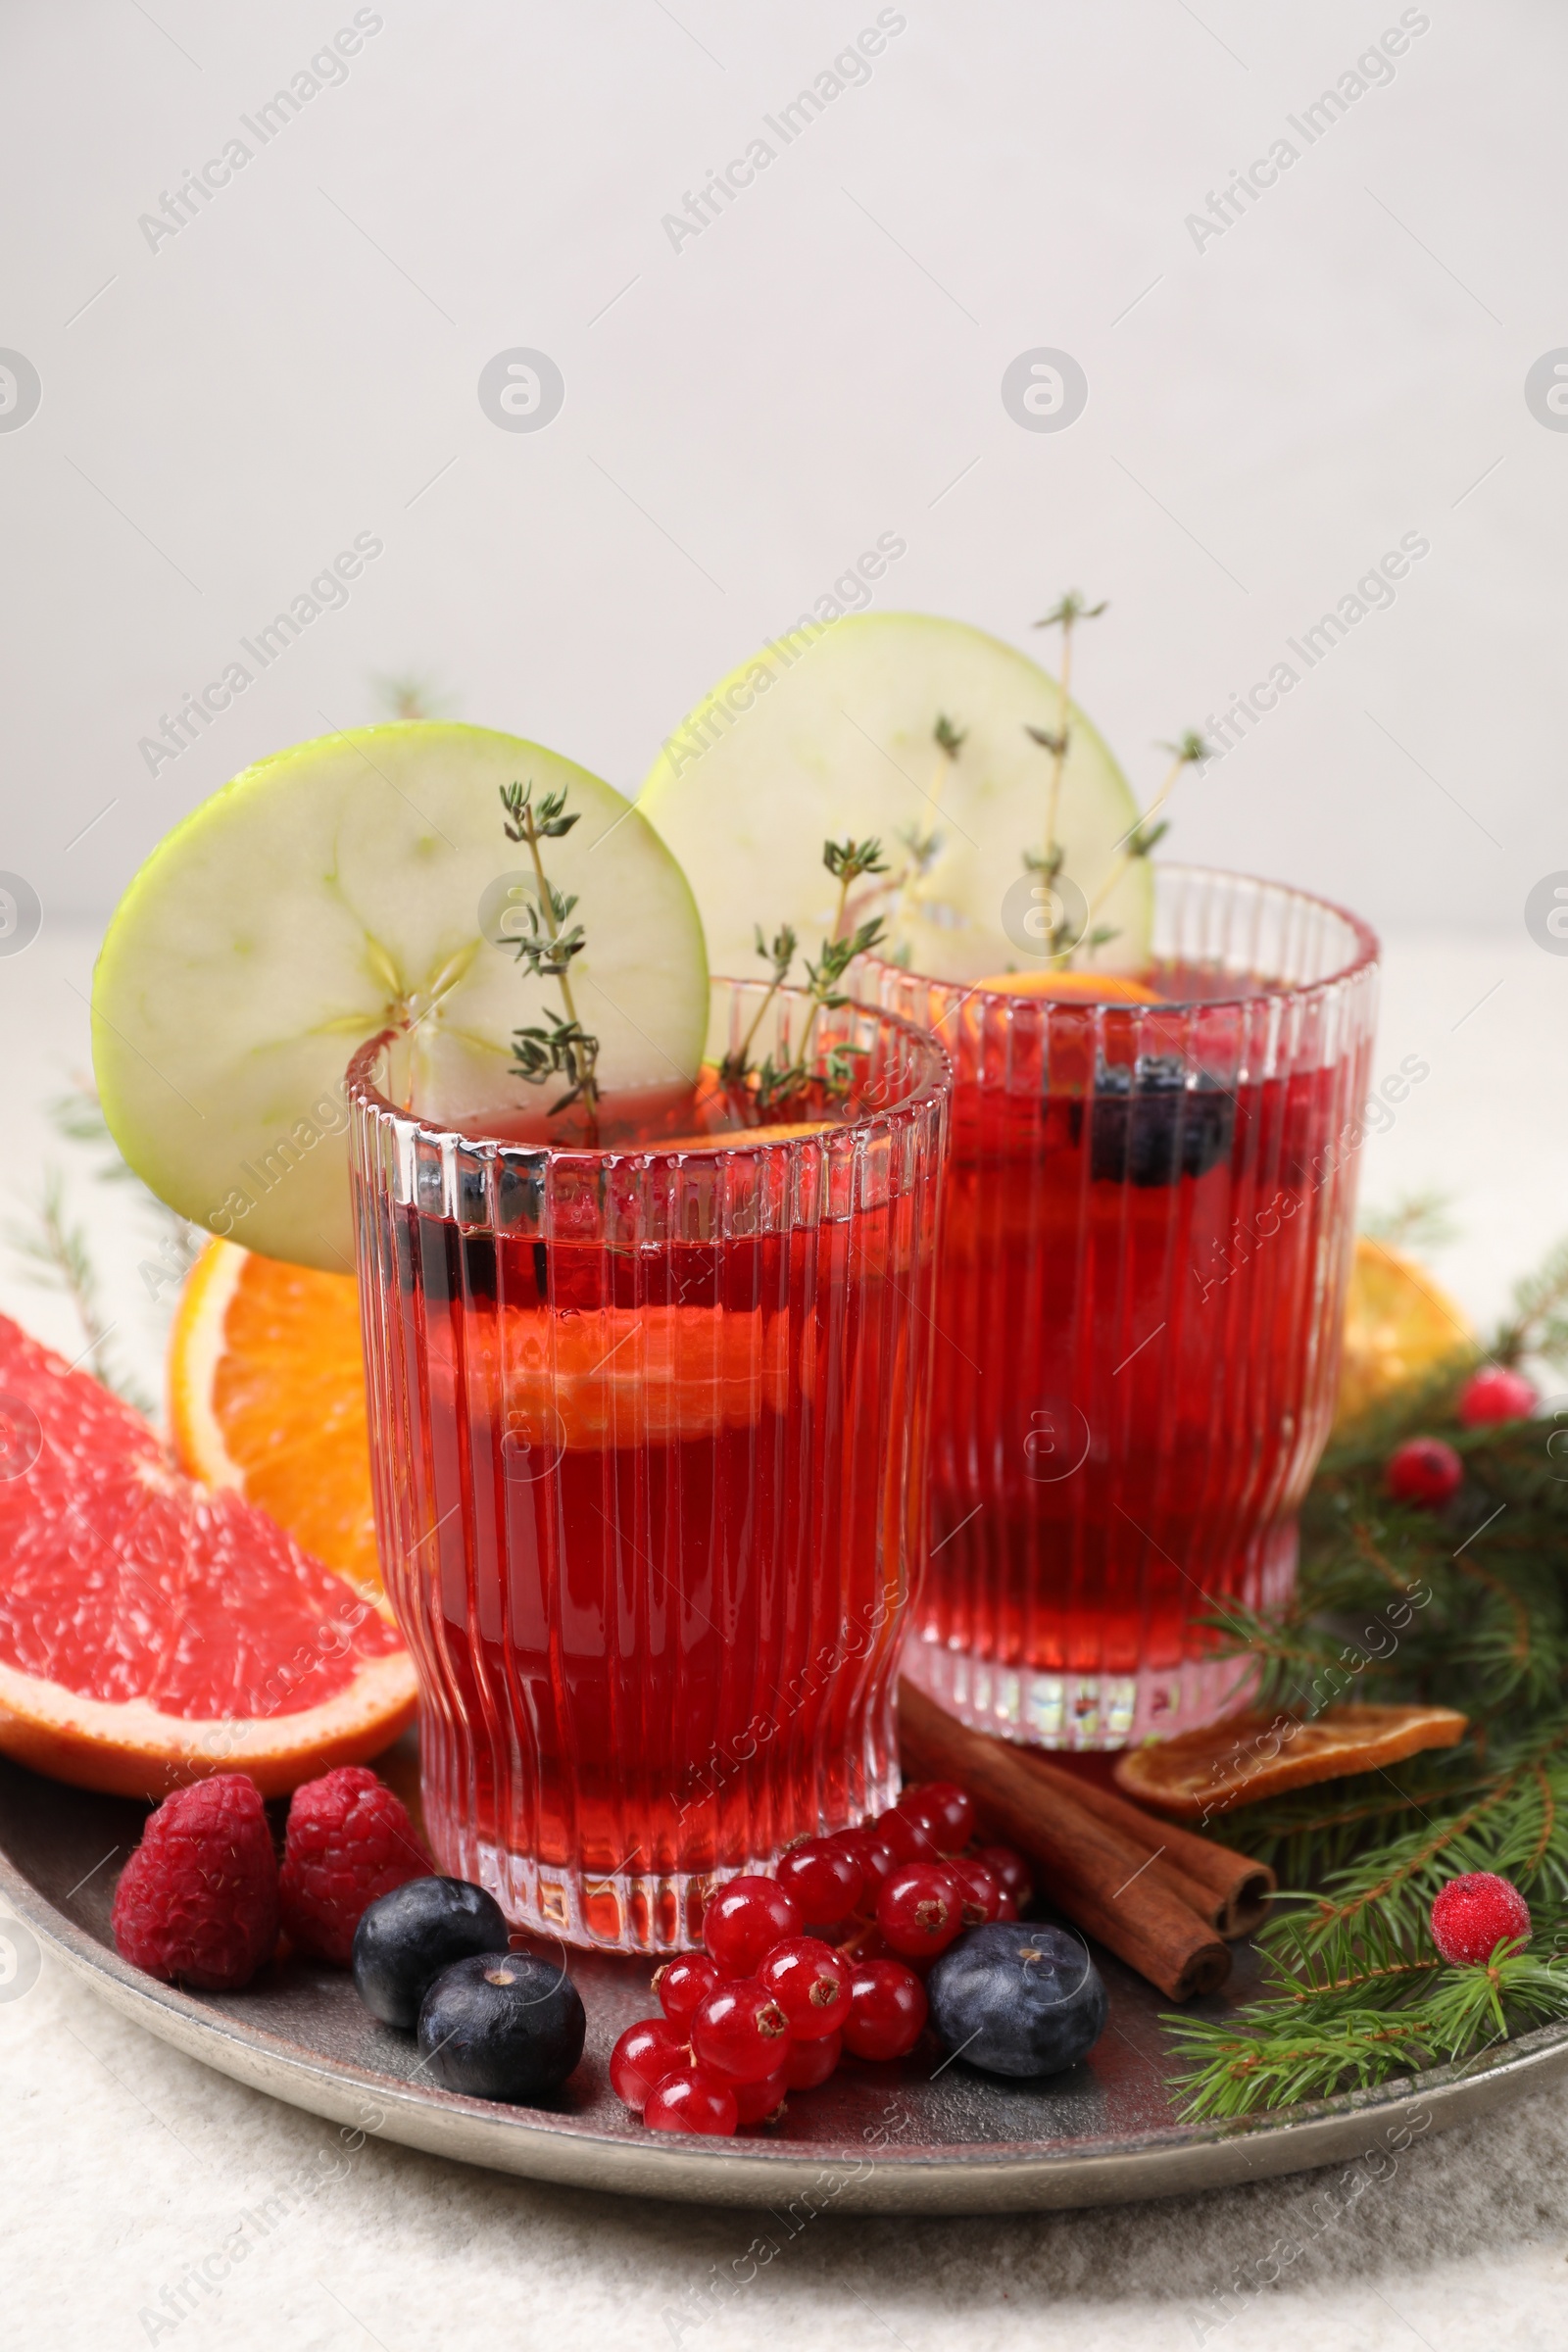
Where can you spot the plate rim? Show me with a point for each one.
(962, 2178)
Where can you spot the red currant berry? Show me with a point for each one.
(887, 2010)
(1473, 1914)
(943, 1810)
(692, 2101)
(874, 1858)
(810, 2062)
(1424, 1470)
(642, 2058)
(905, 1838)
(982, 1894)
(1007, 1908)
(761, 2102)
(1009, 1869)
(681, 1983)
(826, 1882)
(745, 1920)
(810, 1983)
(920, 1909)
(1496, 1395)
(740, 2032)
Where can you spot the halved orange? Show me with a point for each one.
(266, 1395)
(1400, 1325)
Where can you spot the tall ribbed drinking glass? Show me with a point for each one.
(648, 1429)
(1146, 1244)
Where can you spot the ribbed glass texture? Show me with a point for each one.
(647, 1428)
(1146, 1244)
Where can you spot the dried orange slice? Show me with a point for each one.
(1400, 1325)
(267, 1395)
(1253, 1756)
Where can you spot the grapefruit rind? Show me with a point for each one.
(130, 1748)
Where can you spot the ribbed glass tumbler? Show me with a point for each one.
(648, 1429)
(1146, 1244)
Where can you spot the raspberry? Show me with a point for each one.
(349, 1842)
(1424, 1470)
(1496, 1395)
(1473, 1914)
(197, 1898)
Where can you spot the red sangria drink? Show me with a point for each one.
(649, 1417)
(1146, 1244)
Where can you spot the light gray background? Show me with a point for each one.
(220, 417)
(1344, 365)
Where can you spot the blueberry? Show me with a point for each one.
(1018, 1998)
(502, 2027)
(404, 1941)
(1149, 1125)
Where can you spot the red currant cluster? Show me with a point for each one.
(823, 1957)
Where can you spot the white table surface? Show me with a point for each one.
(127, 2164)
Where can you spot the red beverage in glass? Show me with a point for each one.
(1146, 1242)
(648, 1426)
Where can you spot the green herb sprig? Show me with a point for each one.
(848, 861)
(559, 1046)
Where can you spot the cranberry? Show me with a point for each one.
(824, 1880)
(759, 2102)
(644, 2056)
(1473, 1914)
(740, 2030)
(692, 2101)
(920, 1909)
(887, 2010)
(1009, 1869)
(981, 1890)
(1495, 1395)
(745, 1920)
(1424, 1470)
(943, 1810)
(812, 2062)
(810, 1983)
(681, 1983)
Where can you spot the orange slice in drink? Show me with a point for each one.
(1071, 988)
(607, 1377)
(266, 1395)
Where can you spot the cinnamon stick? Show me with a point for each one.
(1227, 1889)
(1095, 1872)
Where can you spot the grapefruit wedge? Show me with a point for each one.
(153, 1630)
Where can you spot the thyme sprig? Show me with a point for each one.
(848, 861)
(559, 1046)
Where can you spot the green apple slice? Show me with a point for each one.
(830, 731)
(353, 884)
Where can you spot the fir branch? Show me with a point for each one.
(57, 1254)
